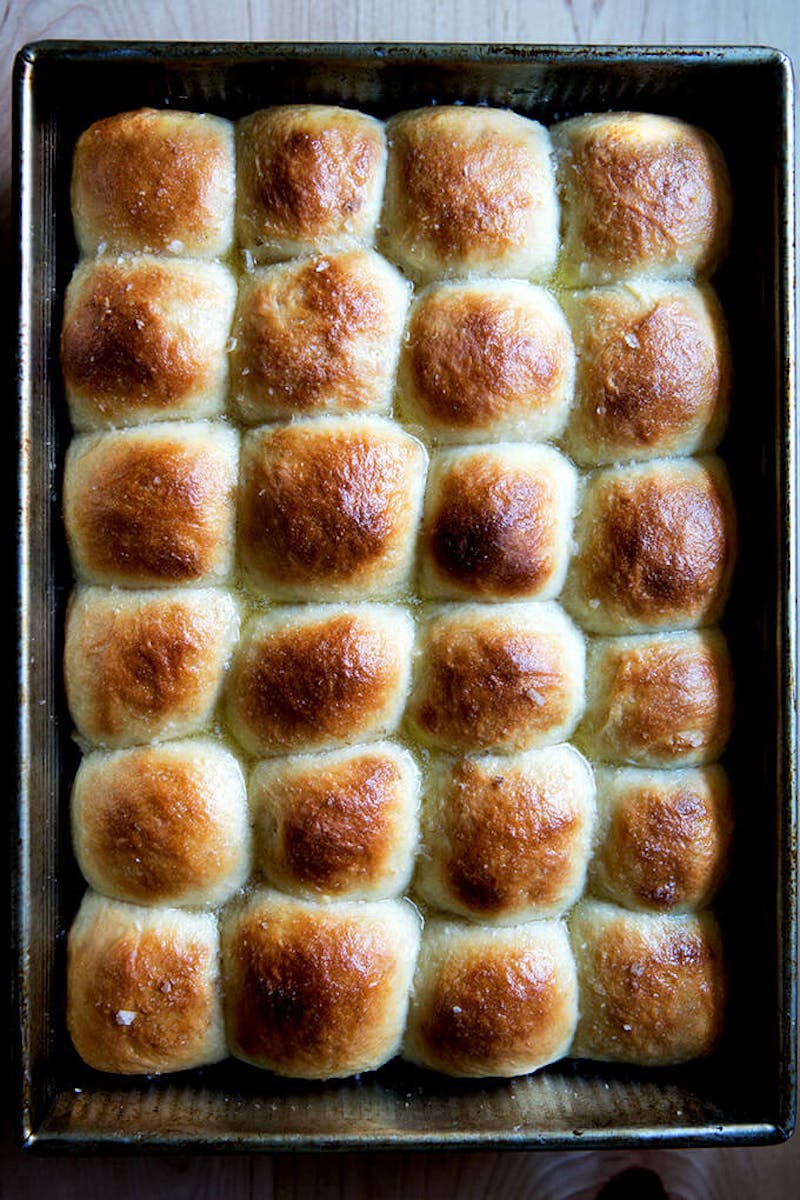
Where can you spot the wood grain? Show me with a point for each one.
(769, 1174)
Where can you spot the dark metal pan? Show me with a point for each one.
(745, 1092)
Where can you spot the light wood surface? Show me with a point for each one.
(766, 1174)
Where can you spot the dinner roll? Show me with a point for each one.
(661, 700)
(640, 194)
(506, 839)
(319, 335)
(341, 825)
(310, 177)
(319, 676)
(145, 666)
(144, 339)
(656, 547)
(329, 508)
(152, 506)
(155, 180)
(317, 991)
(162, 824)
(498, 523)
(506, 677)
(486, 360)
(470, 189)
(662, 838)
(652, 988)
(143, 988)
(491, 1001)
(654, 372)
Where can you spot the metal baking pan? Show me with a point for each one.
(745, 1093)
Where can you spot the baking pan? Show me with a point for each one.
(744, 1093)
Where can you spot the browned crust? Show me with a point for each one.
(118, 345)
(147, 510)
(486, 1010)
(462, 185)
(314, 334)
(659, 545)
(510, 840)
(310, 992)
(651, 994)
(666, 700)
(475, 358)
(315, 683)
(641, 200)
(152, 828)
(305, 173)
(336, 826)
(144, 179)
(491, 527)
(158, 663)
(325, 504)
(649, 375)
(483, 685)
(667, 846)
(164, 982)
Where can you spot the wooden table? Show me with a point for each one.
(769, 1173)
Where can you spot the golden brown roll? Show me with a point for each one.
(506, 839)
(317, 991)
(491, 1001)
(470, 189)
(654, 372)
(656, 545)
(152, 506)
(319, 676)
(145, 339)
(144, 666)
(486, 360)
(310, 177)
(662, 837)
(155, 180)
(651, 988)
(640, 194)
(319, 335)
(660, 700)
(329, 508)
(164, 825)
(143, 988)
(341, 825)
(498, 523)
(506, 677)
